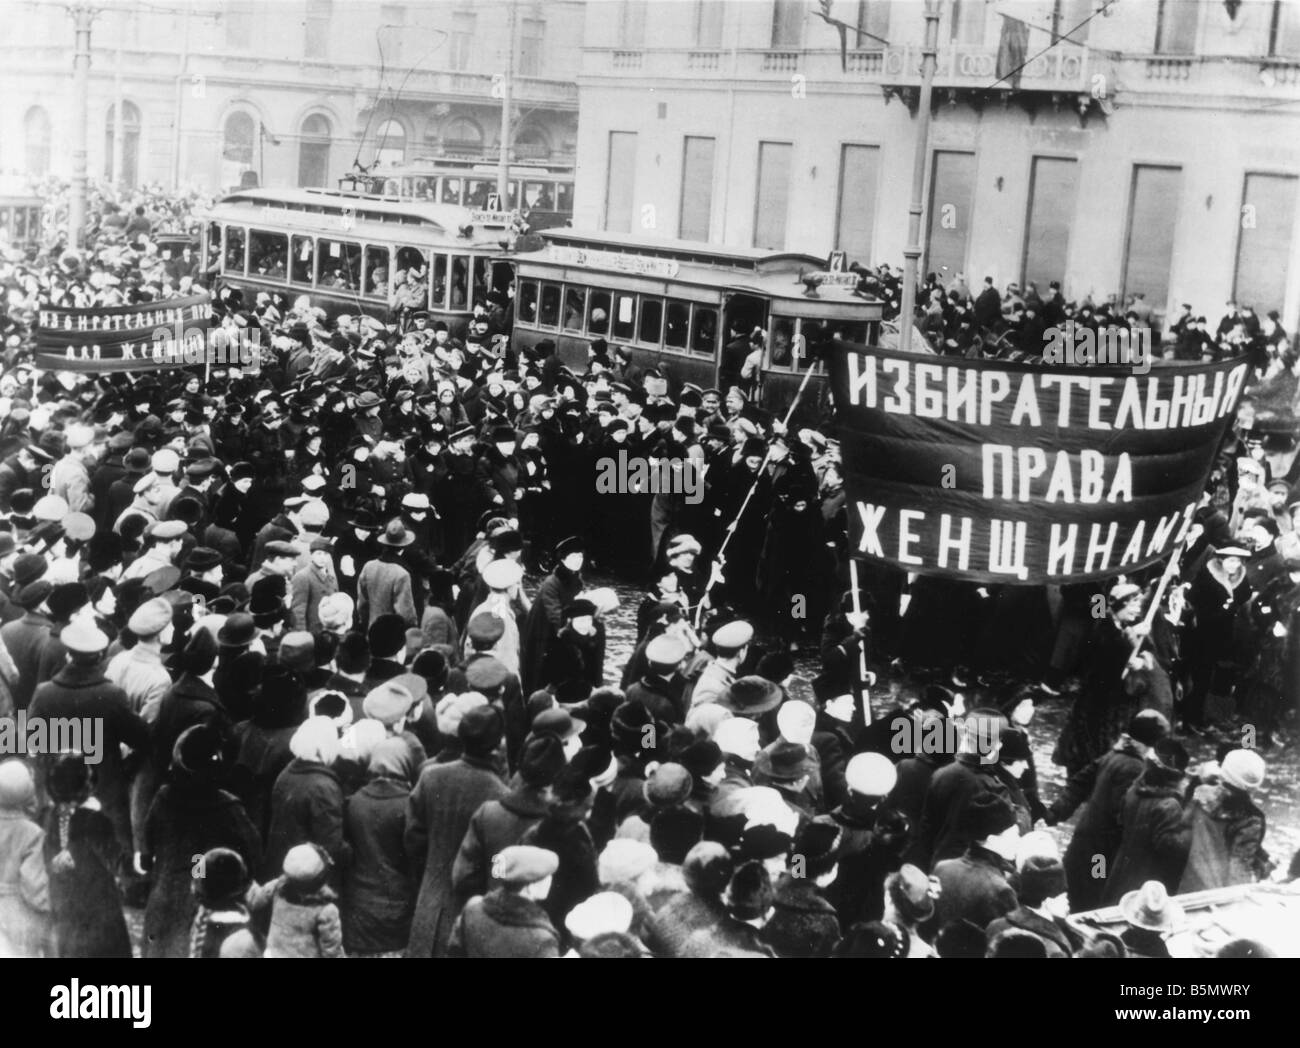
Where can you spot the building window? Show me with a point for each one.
(952, 195)
(787, 23)
(530, 143)
(697, 188)
(620, 181)
(708, 23)
(1265, 245)
(1176, 27)
(317, 26)
(237, 148)
(314, 151)
(392, 22)
(968, 18)
(531, 42)
(1066, 15)
(130, 143)
(772, 199)
(390, 143)
(36, 136)
(1152, 219)
(462, 135)
(873, 18)
(1052, 188)
(1284, 30)
(462, 38)
(855, 219)
(238, 20)
(631, 24)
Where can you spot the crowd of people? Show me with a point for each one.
(342, 620)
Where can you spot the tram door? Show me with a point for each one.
(742, 314)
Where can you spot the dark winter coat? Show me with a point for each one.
(26, 640)
(84, 692)
(1101, 785)
(544, 621)
(378, 899)
(306, 807)
(575, 879)
(1155, 836)
(1227, 840)
(673, 924)
(1058, 937)
(438, 814)
(975, 887)
(866, 857)
(503, 924)
(940, 834)
(804, 924)
(496, 825)
(85, 903)
(187, 818)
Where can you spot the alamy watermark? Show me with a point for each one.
(636, 475)
(1074, 344)
(24, 736)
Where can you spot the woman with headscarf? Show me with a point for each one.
(190, 814)
(378, 897)
(307, 800)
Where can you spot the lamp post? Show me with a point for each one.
(82, 15)
(503, 162)
(912, 253)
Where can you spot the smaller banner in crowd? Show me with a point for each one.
(995, 471)
(147, 336)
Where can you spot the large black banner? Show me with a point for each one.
(142, 337)
(1003, 472)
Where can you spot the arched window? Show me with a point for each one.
(130, 143)
(390, 143)
(531, 143)
(238, 139)
(462, 135)
(36, 134)
(314, 151)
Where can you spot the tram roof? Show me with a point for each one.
(303, 208)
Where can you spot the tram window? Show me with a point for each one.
(526, 302)
(781, 351)
(411, 259)
(5, 220)
(598, 313)
(550, 311)
(268, 254)
(652, 316)
(439, 300)
(480, 281)
(304, 258)
(34, 224)
(377, 271)
(624, 317)
(408, 187)
(392, 188)
(450, 190)
(20, 223)
(476, 192)
(234, 249)
(704, 330)
(564, 196)
(677, 324)
(512, 195)
(573, 308)
(532, 192)
(459, 282)
(340, 265)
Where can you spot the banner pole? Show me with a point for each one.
(862, 652)
(1170, 569)
(731, 528)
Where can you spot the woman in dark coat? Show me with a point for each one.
(262, 743)
(1104, 706)
(546, 616)
(564, 831)
(1156, 835)
(378, 899)
(1216, 597)
(82, 855)
(307, 800)
(575, 652)
(190, 815)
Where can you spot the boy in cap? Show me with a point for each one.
(509, 921)
(163, 542)
(731, 645)
(139, 671)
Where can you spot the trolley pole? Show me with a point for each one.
(912, 253)
(82, 16)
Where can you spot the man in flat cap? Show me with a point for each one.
(509, 920)
(70, 477)
(163, 542)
